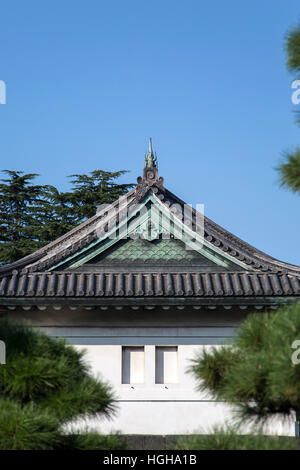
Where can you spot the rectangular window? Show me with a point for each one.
(133, 365)
(166, 364)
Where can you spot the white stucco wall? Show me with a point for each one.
(151, 408)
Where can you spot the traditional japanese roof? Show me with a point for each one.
(154, 252)
(61, 284)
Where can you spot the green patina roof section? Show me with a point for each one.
(95, 249)
(161, 251)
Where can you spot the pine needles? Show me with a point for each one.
(45, 386)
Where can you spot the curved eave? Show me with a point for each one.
(100, 287)
(81, 236)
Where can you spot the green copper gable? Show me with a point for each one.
(155, 252)
(149, 237)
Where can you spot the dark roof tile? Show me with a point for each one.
(65, 284)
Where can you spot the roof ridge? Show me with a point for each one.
(80, 236)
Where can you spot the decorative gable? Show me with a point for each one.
(150, 235)
(148, 239)
(150, 252)
(159, 252)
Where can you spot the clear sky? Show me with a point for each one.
(89, 81)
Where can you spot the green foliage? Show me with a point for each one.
(89, 440)
(256, 373)
(84, 398)
(27, 427)
(20, 214)
(289, 171)
(46, 384)
(34, 215)
(229, 439)
(65, 210)
(292, 47)
(289, 168)
(212, 367)
(88, 192)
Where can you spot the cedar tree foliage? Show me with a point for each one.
(33, 215)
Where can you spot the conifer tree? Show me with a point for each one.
(289, 168)
(260, 372)
(89, 191)
(46, 386)
(34, 215)
(21, 215)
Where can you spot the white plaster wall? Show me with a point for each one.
(151, 408)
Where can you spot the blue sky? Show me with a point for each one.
(89, 81)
